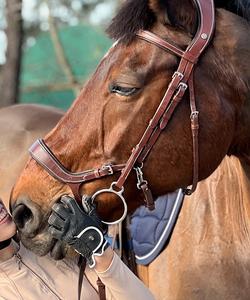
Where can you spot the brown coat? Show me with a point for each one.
(28, 277)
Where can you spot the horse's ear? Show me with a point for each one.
(182, 14)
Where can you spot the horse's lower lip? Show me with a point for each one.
(57, 251)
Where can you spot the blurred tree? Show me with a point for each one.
(60, 54)
(11, 70)
(38, 18)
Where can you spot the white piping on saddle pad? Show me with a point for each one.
(179, 198)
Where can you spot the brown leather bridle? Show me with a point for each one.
(181, 80)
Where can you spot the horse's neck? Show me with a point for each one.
(219, 211)
(210, 243)
(241, 143)
(237, 71)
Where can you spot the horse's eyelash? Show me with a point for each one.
(121, 90)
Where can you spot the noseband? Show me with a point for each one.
(181, 81)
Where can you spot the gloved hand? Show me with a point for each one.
(81, 230)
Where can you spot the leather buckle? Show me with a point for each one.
(178, 74)
(183, 86)
(194, 114)
(109, 168)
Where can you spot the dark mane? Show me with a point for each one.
(136, 14)
(132, 16)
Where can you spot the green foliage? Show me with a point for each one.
(43, 80)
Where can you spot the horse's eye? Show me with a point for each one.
(122, 90)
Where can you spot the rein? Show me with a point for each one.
(182, 80)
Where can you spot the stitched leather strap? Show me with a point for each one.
(194, 116)
(45, 157)
(41, 153)
(158, 41)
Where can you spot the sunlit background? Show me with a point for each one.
(62, 44)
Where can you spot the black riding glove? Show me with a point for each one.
(83, 231)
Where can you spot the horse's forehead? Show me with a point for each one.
(120, 58)
(129, 58)
(110, 49)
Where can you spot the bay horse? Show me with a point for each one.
(111, 113)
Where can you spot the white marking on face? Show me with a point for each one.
(113, 46)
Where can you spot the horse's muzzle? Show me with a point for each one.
(27, 216)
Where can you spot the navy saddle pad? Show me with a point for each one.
(150, 230)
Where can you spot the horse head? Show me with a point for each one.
(114, 108)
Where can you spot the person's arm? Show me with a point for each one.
(83, 231)
(121, 281)
(103, 262)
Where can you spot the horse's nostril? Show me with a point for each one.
(22, 215)
(27, 216)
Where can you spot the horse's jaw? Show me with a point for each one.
(43, 244)
(58, 250)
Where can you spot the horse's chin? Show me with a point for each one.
(44, 244)
(58, 250)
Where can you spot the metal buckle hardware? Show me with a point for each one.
(194, 114)
(109, 168)
(139, 175)
(183, 86)
(178, 74)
